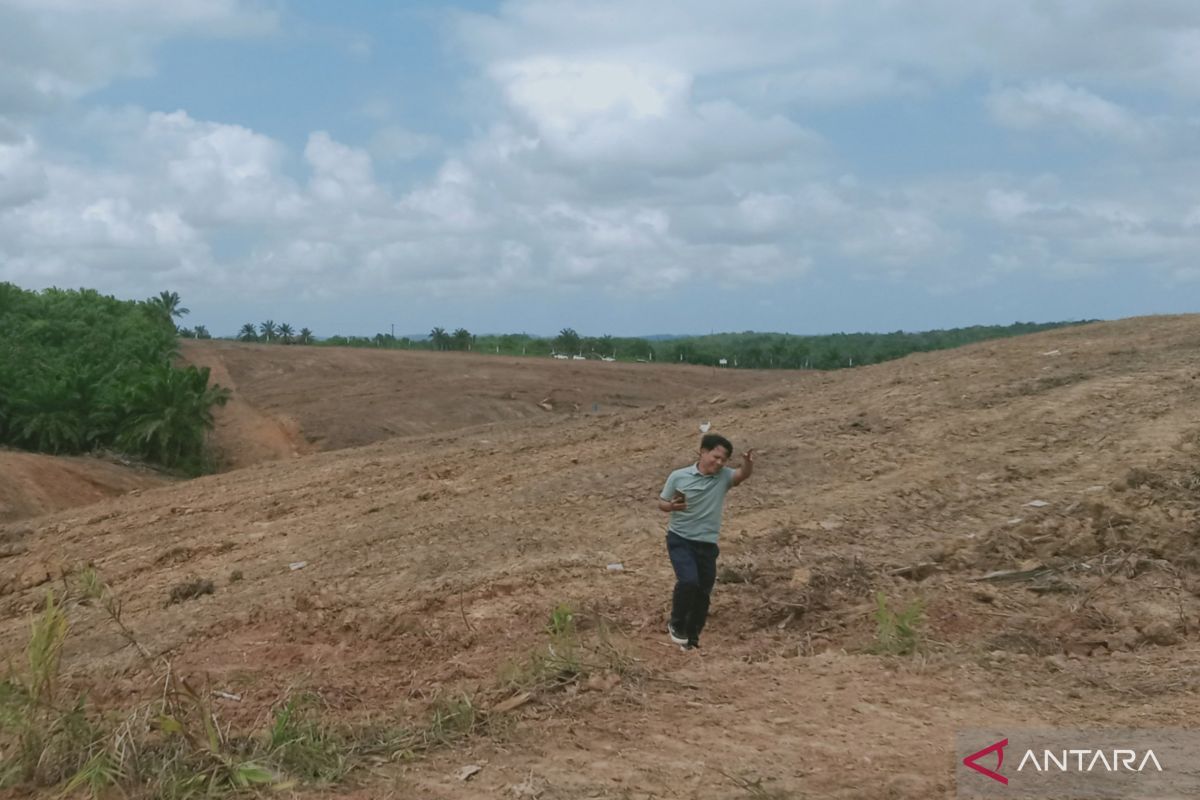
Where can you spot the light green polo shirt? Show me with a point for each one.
(705, 499)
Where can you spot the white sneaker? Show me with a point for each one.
(674, 634)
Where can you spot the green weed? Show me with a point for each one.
(897, 633)
(562, 621)
(302, 746)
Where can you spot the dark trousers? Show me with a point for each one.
(695, 566)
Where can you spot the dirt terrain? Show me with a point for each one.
(33, 484)
(1038, 495)
(290, 401)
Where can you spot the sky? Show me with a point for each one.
(617, 167)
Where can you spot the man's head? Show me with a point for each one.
(715, 450)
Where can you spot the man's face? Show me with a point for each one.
(711, 461)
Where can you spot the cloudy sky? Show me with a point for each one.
(618, 167)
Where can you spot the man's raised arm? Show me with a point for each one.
(746, 469)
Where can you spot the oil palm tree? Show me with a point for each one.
(248, 333)
(567, 341)
(168, 412)
(440, 338)
(267, 329)
(47, 418)
(168, 304)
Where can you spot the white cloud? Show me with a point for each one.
(1055, 105)
(562, 97)
(53, 51)
(449, 202)
(635, 115)
(895, 47)
(342, 177)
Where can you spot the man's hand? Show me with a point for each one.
(677, 503)
(746, 469)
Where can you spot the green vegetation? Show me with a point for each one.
(302, 746)
(833, 351)
(746, 350)
(176, 748)
(44, 741)
(174, 744)
(267, 332)
(80, 371)
(562, 622)
(569, 658)
(897, 632)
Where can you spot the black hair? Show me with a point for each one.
(712, 440)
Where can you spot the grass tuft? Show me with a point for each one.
(897, 632)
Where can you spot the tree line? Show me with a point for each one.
(81, 371)
(831, 351)
(270, 332)
(749, 349)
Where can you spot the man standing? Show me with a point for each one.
(695, 497)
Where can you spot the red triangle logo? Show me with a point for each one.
(998, 749)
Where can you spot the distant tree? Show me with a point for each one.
(306, 336)
(567, 341)
(268, 330)
(201, 332)
(606, 345)
(440, 338)
(286, 333)
(461, 338)
(186, 333)
(248, 333)
(167, 304)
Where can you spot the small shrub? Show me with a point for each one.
(897, 633)
(562, 621)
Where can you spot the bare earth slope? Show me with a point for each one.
(1067, 460)
(33, 484)
(292, 400)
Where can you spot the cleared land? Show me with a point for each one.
(433, 560)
